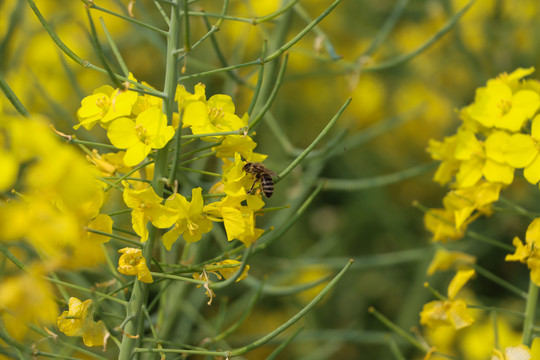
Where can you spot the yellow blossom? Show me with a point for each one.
(133, 263)
(498, 105)
(77, 321)
(239, 220)
(529, 252)
(211, 116)
(192, 223)
(148, 131)
(444, 260)
(104, 105)
(452, 312)
(146, 205)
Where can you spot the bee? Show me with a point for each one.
(263, 175)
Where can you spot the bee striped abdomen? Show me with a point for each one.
(267, 185)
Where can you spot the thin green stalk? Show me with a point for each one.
(302, 33)
(55, 37)
(276, 234)
(245, 314)
(318, 139)
(258, 86)
(187, 45)
(396, 329)
(134, 327)
(162, 12)
(275, 14)
(377, 181)
(295, 318)
(272, 96)
(183, 79)
(92, 5)
(79, 60)
(399, 60)
(220, 56)
(114, 49)
(4, 250)
(117, 237)
(99, 50)
(85, 290)
(505, 284)
(387, 27)
(319, 32)
(283, 345)
(6, 89)
(530, 314)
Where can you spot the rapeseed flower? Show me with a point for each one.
(146, 205)
(451, 312)
(105, 105)
(149, 131)
(77, 321)
(132, 262)
(239, 220)
(522, 151)
(192, 223)
(210, 116)
(529, 252)
(444, 260)
(503, 105)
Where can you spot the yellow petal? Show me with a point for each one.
(520, 150)
(459, 280)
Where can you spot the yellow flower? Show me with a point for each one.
(461, 207)
(25, 299)
(239, 220)
(444, 260)
(241, 144)
(499, 105)
(529, 252)
(452, 312)
(133, 263)
(104, 105)
(444, 151)
(228, 272)
(146, 205)
(522, 151)
(149, 131)
(192, 223)
(478, 161)
(210, 116)
(77, 321)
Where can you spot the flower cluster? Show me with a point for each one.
(499, 134)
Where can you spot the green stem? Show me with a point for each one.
(295, 318)
(399, 60)
(139, 294)
(368, 183)
(12, 97)
(396, 329)
(318, 139)
(530, 313)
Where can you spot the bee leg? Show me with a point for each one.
(253, 185)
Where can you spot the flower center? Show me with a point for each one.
(505, 105)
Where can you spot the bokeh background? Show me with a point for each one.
(386, 128)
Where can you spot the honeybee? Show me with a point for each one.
(263, 175)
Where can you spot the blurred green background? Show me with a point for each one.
(393, 113)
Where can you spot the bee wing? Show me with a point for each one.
(271, 173)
